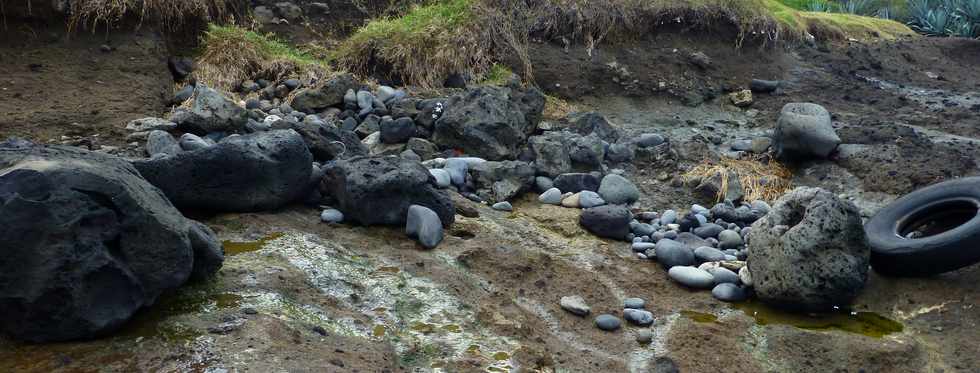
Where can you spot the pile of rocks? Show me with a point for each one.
(701, 249)
(634, 312)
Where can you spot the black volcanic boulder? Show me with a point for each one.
(210, 111)
(259, 171)
(85, 242)
(607, 221)
(330, 94)
(489, 122)
(378, 190)
(326, 142)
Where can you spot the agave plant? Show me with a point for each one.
(970, 10)
(935, 23)
(859, 7)
(963, 27)
(819, 6)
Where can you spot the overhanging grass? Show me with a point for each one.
(230, 54)
(466, 36)
(169, 13)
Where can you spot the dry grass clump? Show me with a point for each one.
(231, 54)
(556, 108)
(169, 13)
(760, 180)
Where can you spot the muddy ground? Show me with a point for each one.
(298, 295)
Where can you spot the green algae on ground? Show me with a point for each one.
(699, 317)
(865, 323)
(235, 248)
(154, 320)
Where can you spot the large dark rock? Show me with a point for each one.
(379, 190)
(810, 252)
(260, 171)
(607, 221)
(326, 142)
(501, 181)
(210, 111)
(330, 94)
(593, 122)
(85, 242)
(574, 183)
(550, 153)
(489, 122)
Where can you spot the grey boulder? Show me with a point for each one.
(810, 252)
(804, 131)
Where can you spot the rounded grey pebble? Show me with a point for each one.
(638, 317)
(332, 216)
(634, 303)
(642, 246)
(708, 254)
(607, 322)
(723, 275)
(644, 336)
(691, 277)
(729, 292)
(503, 206)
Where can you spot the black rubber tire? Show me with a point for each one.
(894, 255)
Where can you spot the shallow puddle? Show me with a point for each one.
(235, 248)
(865, 323)
(699, 317)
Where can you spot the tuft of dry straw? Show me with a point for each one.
(760, 180)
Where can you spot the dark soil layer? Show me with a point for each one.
(53, 86)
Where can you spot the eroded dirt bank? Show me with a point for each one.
(315, 297)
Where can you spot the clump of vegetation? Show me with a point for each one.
(945, 17)
(444, 37)
(169, 13)
(760, 180)
(424, 46)
(231, 54)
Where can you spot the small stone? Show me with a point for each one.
(589, 199)
(551, 196)
(443, 180)
(741, 98)
(503, 206)
(668, 217)
(642, 247)
(729, 239)
(634, 303)
(671, 253)
(723, 275)
(572, 201)
(333, 216)
(709, 254)
(648, 140)
(150, 124)
(745, 276)
(729, 292)
(644, 336)
(424, 224)
(191, 142)
(638, 317)
(691, 277)
(543, 183)
(575, 304)
(708, 230)
(607, 322)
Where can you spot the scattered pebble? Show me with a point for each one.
(607, 322)
(634, 303)
(575, 304)
(332, 216)
(691, 277)
(638, 317)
